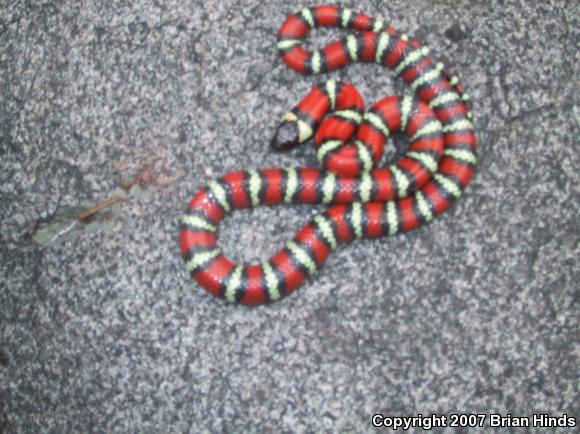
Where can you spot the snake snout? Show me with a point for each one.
(287, 136)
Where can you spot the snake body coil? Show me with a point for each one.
(363, 201)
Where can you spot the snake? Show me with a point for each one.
(363, 199)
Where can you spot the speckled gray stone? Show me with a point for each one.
(104, 331)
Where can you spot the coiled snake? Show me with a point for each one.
(363, 201)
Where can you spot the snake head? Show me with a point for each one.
(287, 136)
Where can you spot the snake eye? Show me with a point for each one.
(286, 137)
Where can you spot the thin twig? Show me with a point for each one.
(85, 214)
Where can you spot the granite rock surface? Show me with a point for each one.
(101, 330)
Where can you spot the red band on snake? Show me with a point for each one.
(364, 201)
